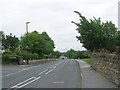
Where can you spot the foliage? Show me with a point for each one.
(87, 60)
(118, 38)
(77, 54)
(49, 43)
(71, 54)
(10, 58)
(24, 54)
(35, 56)
(1, 34)
(96, 35)
(9, 42)
(57, 54)
(30, 46)
(37, 43)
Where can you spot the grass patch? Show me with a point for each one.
(87, 60)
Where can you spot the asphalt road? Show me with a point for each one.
(55, 74)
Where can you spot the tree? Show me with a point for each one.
(32, 42)
(72, 54)
(57, 54)
(1, 34)
(10, 42)
(41, 44)
(95, 35)
(49, 43)
(109, 36)
(118, 38)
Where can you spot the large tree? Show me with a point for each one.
(49, 43)
(95, 35)
(37, 43)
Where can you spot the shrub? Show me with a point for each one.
(35, 56)
(24, 54)
(10, 58)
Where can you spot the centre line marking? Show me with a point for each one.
(59, 82)
(54, 67)
(29, 82)
(43, 71)
(49, 71)
(24, 83)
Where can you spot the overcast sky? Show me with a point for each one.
(54, 17)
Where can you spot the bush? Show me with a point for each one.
(7, 52)
(35, 56)
(24, 54)
(10, 58)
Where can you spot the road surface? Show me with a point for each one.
(55, 74)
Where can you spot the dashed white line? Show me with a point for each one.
(49, 71)
(24, 83)
(59, 82)
(32, 79)
(20, 71)
(29, 82)
(81, 75)
(9, 74)
(43, 71)
(54, 67)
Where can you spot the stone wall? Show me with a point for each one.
(35, 61)
(107, 65)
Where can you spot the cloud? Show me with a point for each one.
(54, 17)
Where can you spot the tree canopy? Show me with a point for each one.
(37, 43)
(9, 42)
(95, 34)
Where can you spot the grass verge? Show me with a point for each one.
(87, 60)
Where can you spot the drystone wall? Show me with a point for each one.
(107, 64)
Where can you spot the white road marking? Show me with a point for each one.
(32, 79)
(12, 73)
(20, 71)
(43, 71)
(49, 71)
(54, 67)
(30, 67)
(81, 74)
(24, 83)
(9, 74)
(59, 82)
(29, 82)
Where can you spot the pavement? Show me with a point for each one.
(93, 79)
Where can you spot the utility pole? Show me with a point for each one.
(27, 39)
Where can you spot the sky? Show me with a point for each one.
(54, 17)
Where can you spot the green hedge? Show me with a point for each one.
(10, 58)
(27, 55)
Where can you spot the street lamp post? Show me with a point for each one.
(27, 39)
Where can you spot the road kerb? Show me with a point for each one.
(80, 73)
